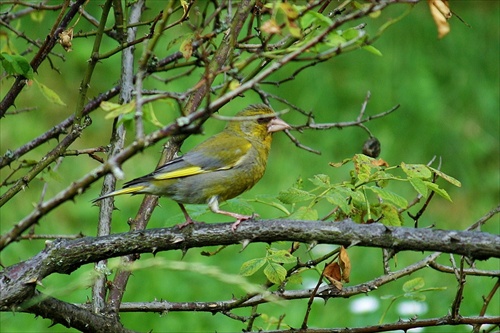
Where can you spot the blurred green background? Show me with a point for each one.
(449, 95)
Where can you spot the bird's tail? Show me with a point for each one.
(128, 190)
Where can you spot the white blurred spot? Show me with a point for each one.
(364, 305)
(411, 308)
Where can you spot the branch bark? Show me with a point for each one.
(18, 282)
(70, 315)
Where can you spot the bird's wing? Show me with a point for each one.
(220, 152)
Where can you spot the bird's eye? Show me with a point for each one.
(263, 120)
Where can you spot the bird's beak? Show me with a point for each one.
(276, 125)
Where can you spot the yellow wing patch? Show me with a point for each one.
(189, 171)
(130, 190)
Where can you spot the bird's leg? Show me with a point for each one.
(189, 220)
(213, 203)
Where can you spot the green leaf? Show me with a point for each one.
(434, 187)
(416, 170)
(413, 285)
(16, 64)
(389, 196)
(37, 15)
(350, 33)
(268, 200)
(363, 166)
(311, 17)
(416, 297)
(391, 216)
(449, 179)
(419, 186)
(304, 213)
(294, 195)
(55, 175)
(339, 164)
(251, 266)
(384, 175)
(109, 106)
(294, 29)
(358, 197)
(239, 205)
(295, 278)
(338, 199)
(320, 180)
(388, 297)
(49, 94)
(150, 116)
(275, 273)
(372, 49)
(120, 109)
(334, 39)
(281, 256)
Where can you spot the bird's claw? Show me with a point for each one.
(188, 222)
(242, 218)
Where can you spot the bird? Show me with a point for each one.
(218, 169)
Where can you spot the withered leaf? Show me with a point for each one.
(333, 274)
(345, 264)
(440, 11)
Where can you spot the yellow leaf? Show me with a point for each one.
(119, 110)
(289, 11)
(345, 264)
(185, 6)
(187, 47)
(294, 28)
(50, 94)
(234, 84)
(440, 12)
(108, 106)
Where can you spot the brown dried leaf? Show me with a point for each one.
(379, 162)
(345, 264)
(440, 11)
(270, 27)
(333, 274)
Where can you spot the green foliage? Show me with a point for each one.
(274, 260)
(49, 94)
(126, 111)
(413, 290)
(16, 64)
(467, 139)
(366, 197)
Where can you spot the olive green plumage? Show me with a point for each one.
(220, 168)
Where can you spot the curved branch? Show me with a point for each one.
(70, 315)
(64, 256)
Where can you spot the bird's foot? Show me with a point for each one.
(240, 218)
(188, 222)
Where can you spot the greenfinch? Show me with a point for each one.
(220, 168)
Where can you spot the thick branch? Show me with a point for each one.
(18, 281)
(73, 316)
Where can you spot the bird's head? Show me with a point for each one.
(257, 121)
